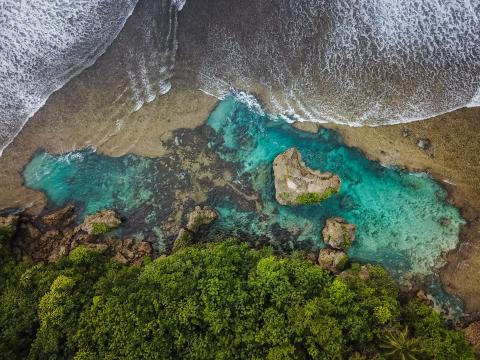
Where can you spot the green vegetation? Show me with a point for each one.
(213, 301)
(315, 198)
(398, 345)
(101, 228)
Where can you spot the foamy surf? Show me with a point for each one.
(359, 63)
(46, 43)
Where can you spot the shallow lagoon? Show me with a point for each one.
(403, 220)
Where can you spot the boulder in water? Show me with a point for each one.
(201, 217)
(296, 184)
(338, 234)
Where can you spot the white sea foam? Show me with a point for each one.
(43, 44)
(368, 62)
(151, 61)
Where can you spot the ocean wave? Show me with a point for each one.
(369, 62)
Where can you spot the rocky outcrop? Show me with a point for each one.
(338, 233)
(47, 238)
(296, 184)
(332, 260)
(472, 334)
(199, 218)
(101, 222)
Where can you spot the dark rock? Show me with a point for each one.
(49, 237)
(423, 297)
(8, 226)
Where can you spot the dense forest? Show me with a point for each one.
(212, 301)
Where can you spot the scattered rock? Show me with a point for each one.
(332, 260)
(296, 184)
(472, 334)
(128, 250)
(423, 297)
(49, 237)
(101, 222)
(338, 234)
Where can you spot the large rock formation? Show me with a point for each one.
(198, 218)
(296, 184)
(338, 234)
(332, 260)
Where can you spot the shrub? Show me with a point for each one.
(315, 198)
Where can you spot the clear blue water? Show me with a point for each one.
(403, 220)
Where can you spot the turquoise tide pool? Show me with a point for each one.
(403, 220)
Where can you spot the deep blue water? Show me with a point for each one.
(403, 220)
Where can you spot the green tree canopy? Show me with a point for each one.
(212, 301)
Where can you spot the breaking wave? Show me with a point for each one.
(365, 62)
